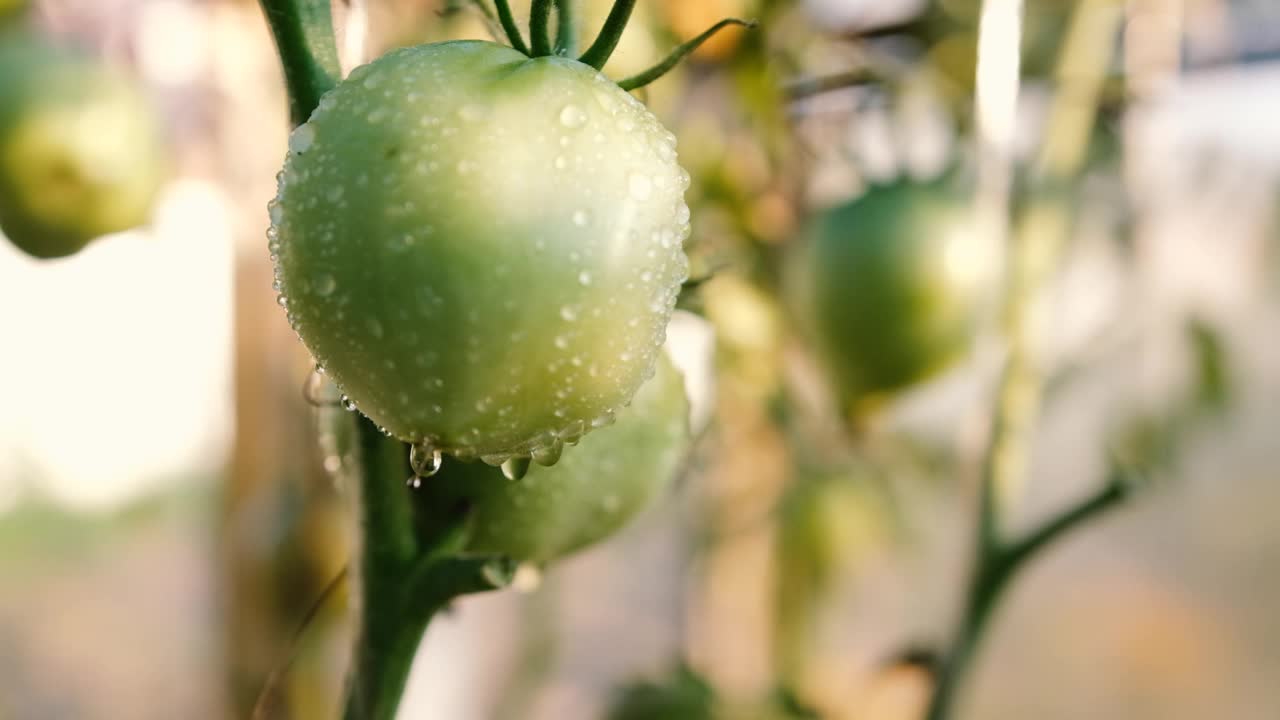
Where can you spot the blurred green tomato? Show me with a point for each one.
(79, 149)
(483, 250)
(595, 488)
(684, 696)
(886, 287)
(827, 524)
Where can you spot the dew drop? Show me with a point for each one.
(300, 140)
(549, 454)
(584, 278)
(424, 459)
(572, 116)
(324, 284)
(561, 342)
(515, 468)
(282, 301)
(560, 162)
(569, 313)
(682, 214)
(347, 403)
(313, 388)
(640, 186)
(581, 217)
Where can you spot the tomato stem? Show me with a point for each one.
(662, 68)
(540, 27)
(406, 572)
(509, 26)
(303, 31)
(614, 25)
(566, 29)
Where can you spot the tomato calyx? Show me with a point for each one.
(541, 43)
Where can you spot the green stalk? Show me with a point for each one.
(566, 29)
(614, 25)
(540, 27)
(405, 573)
(303, 30)
(510, 27)
(662, 68)
(1037, 240)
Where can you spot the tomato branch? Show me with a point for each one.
(566, 29)
(303, 31)
(600, 51)
(662, 68)
(509, 26)
(540, 27)
(405, 571)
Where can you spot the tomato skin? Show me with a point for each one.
(886, 287)
(592, 492)
(482, 250)
(79, 149)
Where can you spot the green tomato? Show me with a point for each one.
(886, 287)
(482, 250)
(592, 492)
(79, 149)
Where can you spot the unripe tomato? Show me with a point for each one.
(482, 249)
(594, 490)
(79, 149)
(886, 286)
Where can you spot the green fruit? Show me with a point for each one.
(594, 490)
(886, 287)
(482, 249)
(79, 149)
(683, 696)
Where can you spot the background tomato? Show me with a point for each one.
(886, 286)
(595, 489)
(79, 149)
(482, 250)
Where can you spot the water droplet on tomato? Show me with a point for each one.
(424, 459)
(572, 116)
(640, 186)
(324, 284)
(515, 468)
(300, 140)
(549, 454)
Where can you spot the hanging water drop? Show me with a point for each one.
(347, 403)
(313, 388)
(515, 468)
(549, 454)
(424, 459)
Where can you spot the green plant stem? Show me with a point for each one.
(662, 68)
(566, 29)
(1037, 240)
(540, 28)
(405, 574)
(614, 25)
(509, 26)
(997, 566)
(303, 30)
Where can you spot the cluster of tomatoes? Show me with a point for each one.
(482, 250)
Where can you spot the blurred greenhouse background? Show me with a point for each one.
(167, 523)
